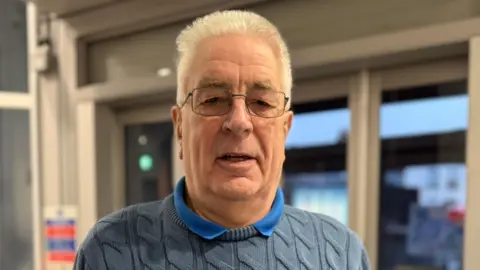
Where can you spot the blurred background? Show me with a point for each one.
(386, 102)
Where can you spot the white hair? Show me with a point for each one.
(229, 22)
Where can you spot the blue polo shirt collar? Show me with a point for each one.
(210, 230)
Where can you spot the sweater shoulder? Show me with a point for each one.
(117, 226)
(319, 221)
(111, 237)
(330, 233)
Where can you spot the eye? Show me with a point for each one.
(262, 103)
(211, 100)
(214, 100)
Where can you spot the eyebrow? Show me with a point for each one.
(206, 82)
(213, 82)
(263, 85)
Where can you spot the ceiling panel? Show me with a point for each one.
(62, 7)
(136, 15)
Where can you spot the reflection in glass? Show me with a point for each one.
(315, 173)
(148, 162)
(324, 193)
(319, 128)
(13, 46)
(16, 230)
(423, 177)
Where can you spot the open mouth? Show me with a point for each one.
(236, 157)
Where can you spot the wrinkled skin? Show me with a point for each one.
(215, 192)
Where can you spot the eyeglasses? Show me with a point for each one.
(211, 101)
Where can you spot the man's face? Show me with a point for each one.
(209, 144)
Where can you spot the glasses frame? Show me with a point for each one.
(190, 94)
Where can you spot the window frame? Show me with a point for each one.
(364, 150)
(28, 101)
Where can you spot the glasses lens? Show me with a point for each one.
(214, 102)
(266, 103)
(211, 101)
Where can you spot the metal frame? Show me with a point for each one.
(15, 101)
(35, 140)
(368, 145)
(362, 159)
(472, 221)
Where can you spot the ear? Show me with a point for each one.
(287, 125)
(176, 115)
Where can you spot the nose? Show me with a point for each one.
(238, 121)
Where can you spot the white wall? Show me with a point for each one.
(304, 23)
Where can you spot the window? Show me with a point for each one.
(16, 222)
(148, 162)
(423, 176)
(16, 230)
(13, 46)
(315, 167)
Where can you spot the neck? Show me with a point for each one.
(231, 214)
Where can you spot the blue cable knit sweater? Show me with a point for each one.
(154, 236)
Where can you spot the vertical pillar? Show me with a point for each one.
(57, 119)
(87, 161)
(472, 219)
(363, 160)
(34, 139)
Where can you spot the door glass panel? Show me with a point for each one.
(13, 46)
(16, 229)
(315, 167)
(148, 162)
(423, 176)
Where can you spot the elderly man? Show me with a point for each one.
(231, 119)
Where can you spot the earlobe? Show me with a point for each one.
(177, 124)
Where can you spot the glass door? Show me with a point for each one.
(16, 222)
(148, 161)
(423, 176)
(315, 176)
(19, 207)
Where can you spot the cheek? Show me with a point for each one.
(201, 136)
(273, 140)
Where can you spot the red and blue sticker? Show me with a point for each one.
(61, 240)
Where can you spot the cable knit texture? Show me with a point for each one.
(152, 236)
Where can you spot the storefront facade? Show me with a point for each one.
(102, 111)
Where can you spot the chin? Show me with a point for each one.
(237, 188)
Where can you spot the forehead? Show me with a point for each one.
(235, 58)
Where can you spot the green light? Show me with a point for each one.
(145, 162)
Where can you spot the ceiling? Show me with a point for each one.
(71, 8)
(63, 7)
